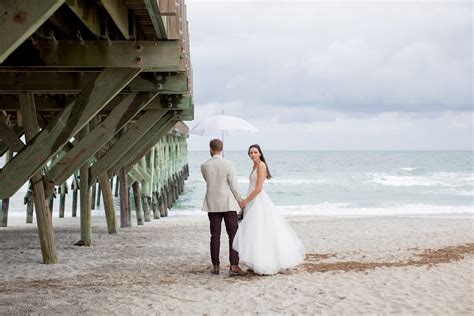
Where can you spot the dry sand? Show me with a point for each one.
(380, 265)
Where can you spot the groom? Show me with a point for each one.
(221, 202)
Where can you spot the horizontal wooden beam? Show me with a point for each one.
(21, 18)
(151, 55)
(72, 83)
(66, 124)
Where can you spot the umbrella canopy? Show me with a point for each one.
(222, 124)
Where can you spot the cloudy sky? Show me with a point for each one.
(335, 75)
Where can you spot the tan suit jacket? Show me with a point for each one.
(222, 194)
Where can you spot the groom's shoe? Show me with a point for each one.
(235, 270)
(215, 270)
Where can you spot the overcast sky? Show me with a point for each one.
(326, 75)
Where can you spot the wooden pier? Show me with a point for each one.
(93, 92)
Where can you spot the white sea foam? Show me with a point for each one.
(443, 179)
(407, 168)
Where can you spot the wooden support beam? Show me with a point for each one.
(19, 19)
(75, 116)
(8, 136)
(144, 144)
(48, 82)
(108, 204)
(151, 55)
(88, 12)
(5, 203)
(43, 216)
(144, 176)
(88, 145)
(156, 18)
(119, 14)
(124, 200)
(118, 149)
(62, 199)
(84, 194)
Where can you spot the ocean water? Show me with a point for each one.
(343, 183)
(337, 183)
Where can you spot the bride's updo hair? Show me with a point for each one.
(262, 158)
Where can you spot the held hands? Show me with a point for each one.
(243, 203)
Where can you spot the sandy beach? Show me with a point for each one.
(384, 265)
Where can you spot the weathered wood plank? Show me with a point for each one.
(108, 204)
(84, 196)
(72, 83)
(167, 7)
(8, 136)
(118, 149)
(21, 18)
(156, 18)
(144, 144)
(50, 140)
(119, 14)
(156, 55)
(138, 202)
(98, 137)
(43, 216)
(88, 12)
(5, 203)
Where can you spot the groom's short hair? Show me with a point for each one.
(216, 145)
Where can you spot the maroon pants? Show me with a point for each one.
(231, 226)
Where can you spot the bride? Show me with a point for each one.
(264, 240)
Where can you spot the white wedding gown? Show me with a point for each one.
(265, 241)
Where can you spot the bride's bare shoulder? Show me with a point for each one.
(262, 165)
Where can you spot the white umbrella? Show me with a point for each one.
(222, 124)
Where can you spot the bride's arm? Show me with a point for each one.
(261, 174)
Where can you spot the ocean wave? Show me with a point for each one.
(338, 209)
(408, 168)
(349, 210)
(443, 179)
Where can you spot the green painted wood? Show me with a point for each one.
(108, 204)
(43, 216)
(84, 194)
(140, 148)
(19, 19)
(50, 140)
(119, 148)
(140, 145)
(98, 137)
(150, 55)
